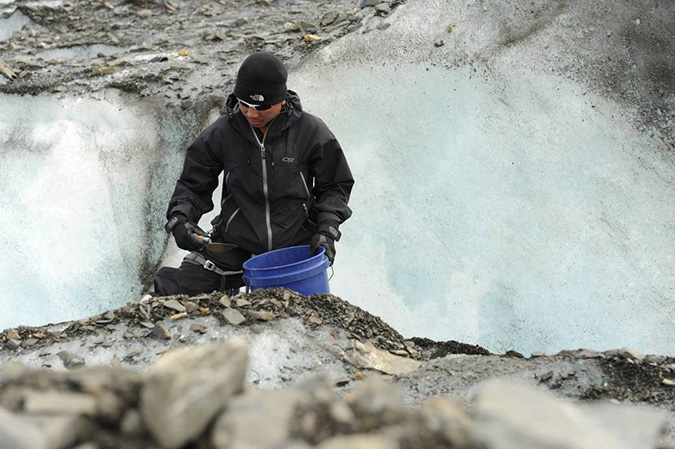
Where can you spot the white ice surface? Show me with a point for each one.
(80, 214)
(495, 202)
(13, 23)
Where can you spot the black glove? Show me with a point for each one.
(185, 232)
(327, 242)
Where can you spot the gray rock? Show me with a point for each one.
(16, 433)
(186, 389)
(635, 427)
(376, 403)
(446, 418)
(61, 431)
(233, 316)
(367, 3)
(13, 344)
(364, 355)
(225, 301)
(59, 403)
(359, 442)
(329, 18)
(383, 8)
(628, 353)
(174, 305)
(160, 332)
(590, 354)
(516, 416)
(70, 360)
(132, 424)
(240, 424)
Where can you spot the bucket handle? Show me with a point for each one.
(332, 272)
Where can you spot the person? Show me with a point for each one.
(286, 183)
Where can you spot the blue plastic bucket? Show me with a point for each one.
(292, 268)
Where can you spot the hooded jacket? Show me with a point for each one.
(279, 188)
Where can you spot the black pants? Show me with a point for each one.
(192, 279)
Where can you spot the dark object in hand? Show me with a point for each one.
(186, 234)
(328, 244)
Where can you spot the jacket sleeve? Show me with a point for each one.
(333, 185)
(194, 189)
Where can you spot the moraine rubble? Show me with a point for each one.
(186, 374)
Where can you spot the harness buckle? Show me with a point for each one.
(208, 265)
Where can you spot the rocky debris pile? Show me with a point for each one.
(146, 319)
(196, 397)
(179, 49)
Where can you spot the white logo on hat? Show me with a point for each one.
(257, 97)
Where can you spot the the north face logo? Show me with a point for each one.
(257, 97)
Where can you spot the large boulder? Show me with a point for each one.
(186, 389)
(518, 416)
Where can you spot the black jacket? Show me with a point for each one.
(274, 198)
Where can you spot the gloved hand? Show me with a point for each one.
(185, 233)
(320, 239)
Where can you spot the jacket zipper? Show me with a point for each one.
(304, 183)
(227, 226)
(268, 214)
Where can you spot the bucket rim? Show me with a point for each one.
(314, 258)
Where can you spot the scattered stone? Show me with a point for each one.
(174, 305)
(199, 328)
(536, 354)
(144, 13)
(225, 301)
(191, 307)
(178, 316)
(448, 420)
(4, 68)
(199, 379)
(329, 18)
(13, 344)
(148, 324)
(247, 414)
(589, 354)
(233, 317)
(669, 382)
(291, 26)
(132, 424)
(315, 320)
(366, 356)
(261, 315)
(13, 334)
(628, 353)
(242, 302)
(160, 332)
(179, 66)
(59, 403)
(376, 403)
(367, 3)
(70, 360)
(360, 442)
(383, 8)
(16, 433)
(516, 416)
(311, 38)
(103, 69)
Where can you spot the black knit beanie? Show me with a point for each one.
(261, 80)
